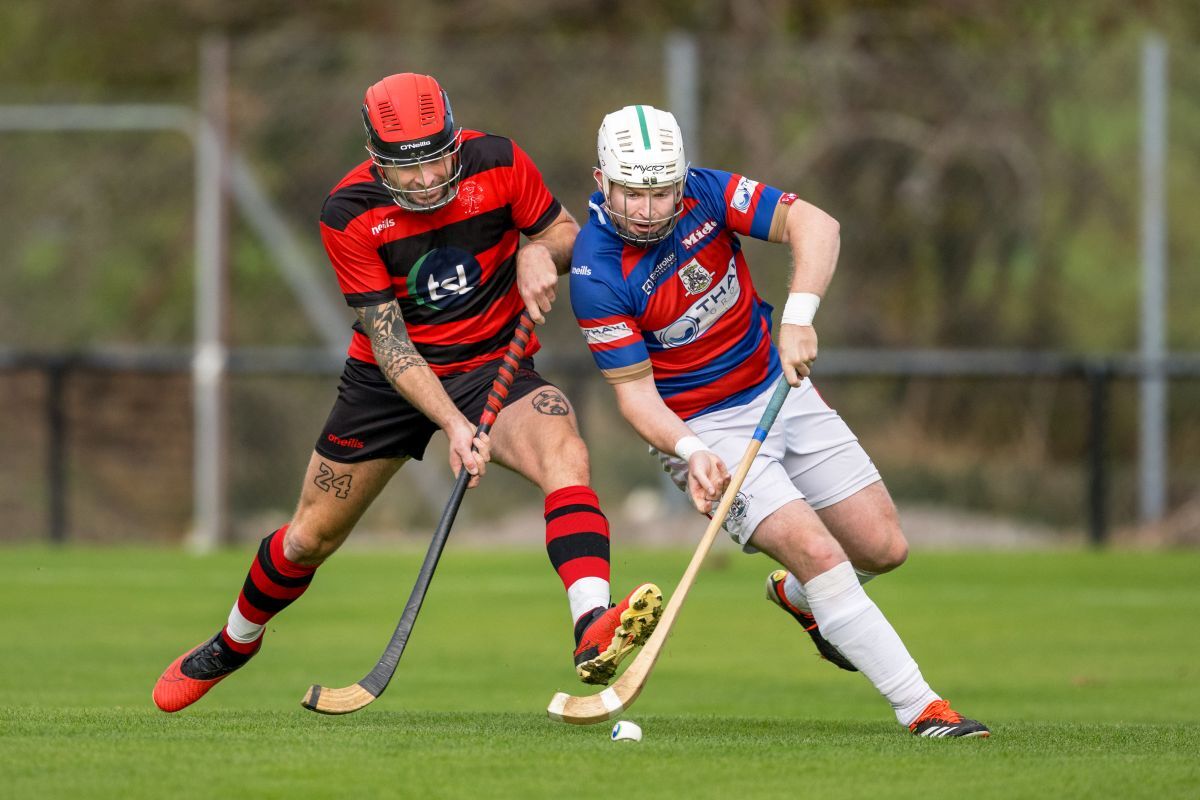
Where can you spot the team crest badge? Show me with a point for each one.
(737, 510)
(735, 520)
(695, 278)
(470, 195)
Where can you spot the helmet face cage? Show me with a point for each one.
(426, 196)
(641, 148)
(623, 220)
(412, 140)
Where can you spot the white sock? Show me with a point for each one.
(852, 622)
(586, 594)
(795, 590)
(864, 576)
(241, 629)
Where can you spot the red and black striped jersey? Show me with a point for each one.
(453, 270)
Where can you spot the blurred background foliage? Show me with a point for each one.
(981, 157)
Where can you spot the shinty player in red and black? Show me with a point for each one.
(424, 239)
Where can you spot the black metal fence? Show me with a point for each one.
(1097, 374)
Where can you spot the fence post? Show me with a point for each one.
(56, 452)
(681, 55)
(1099, 376)
(209, 512)
(1152, 428)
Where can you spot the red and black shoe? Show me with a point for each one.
(195, 672)
(608, 635)
(939, 720)
(807, 621)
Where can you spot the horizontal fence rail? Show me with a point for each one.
(846, 362)
(1098, 372)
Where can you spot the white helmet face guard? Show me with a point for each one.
(427, 197)
(641, 148)
(624, 221)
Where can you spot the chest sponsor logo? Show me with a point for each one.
(694, 238)
(703, 313)
(383, 226)
(743, 194)
(694, 277)
(603, 334)
(443, 277)
(659, 270)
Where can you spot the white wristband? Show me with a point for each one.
(688, 446)
(800, 309)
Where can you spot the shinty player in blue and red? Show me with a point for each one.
(424, 238)
(665, 301)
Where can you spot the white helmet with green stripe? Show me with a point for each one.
(641, 147)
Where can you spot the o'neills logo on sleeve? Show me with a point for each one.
(387, 223)
(356, 444)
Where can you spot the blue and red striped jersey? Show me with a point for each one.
(684, 309)
(453, 270)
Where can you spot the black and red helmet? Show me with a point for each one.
(409, 124)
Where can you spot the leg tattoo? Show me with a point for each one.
(551, 403)
(328, 480)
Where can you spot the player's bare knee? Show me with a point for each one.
(899, 552)
(892, 549)
(896, 552)
(892, 552)
(308, 545)
(566, 463)
(819, 552)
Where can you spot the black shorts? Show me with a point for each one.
(371, 420)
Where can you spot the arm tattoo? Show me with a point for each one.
(389, 339)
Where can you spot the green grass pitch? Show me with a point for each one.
(1086, 665)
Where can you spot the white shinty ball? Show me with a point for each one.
(626, 731)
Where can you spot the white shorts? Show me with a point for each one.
(810, 454)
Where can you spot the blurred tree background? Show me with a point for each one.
(981, 157)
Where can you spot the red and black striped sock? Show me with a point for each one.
(577, 543)
(272, 585)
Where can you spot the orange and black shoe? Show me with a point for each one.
(939, 720)
(807, 621)
(606, 636)
(195, 672)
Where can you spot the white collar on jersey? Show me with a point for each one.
(599, 209)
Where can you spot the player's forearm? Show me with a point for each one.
(416, 382)
(403, 366)
(644, 409)
(814, 238)
(559, 240)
